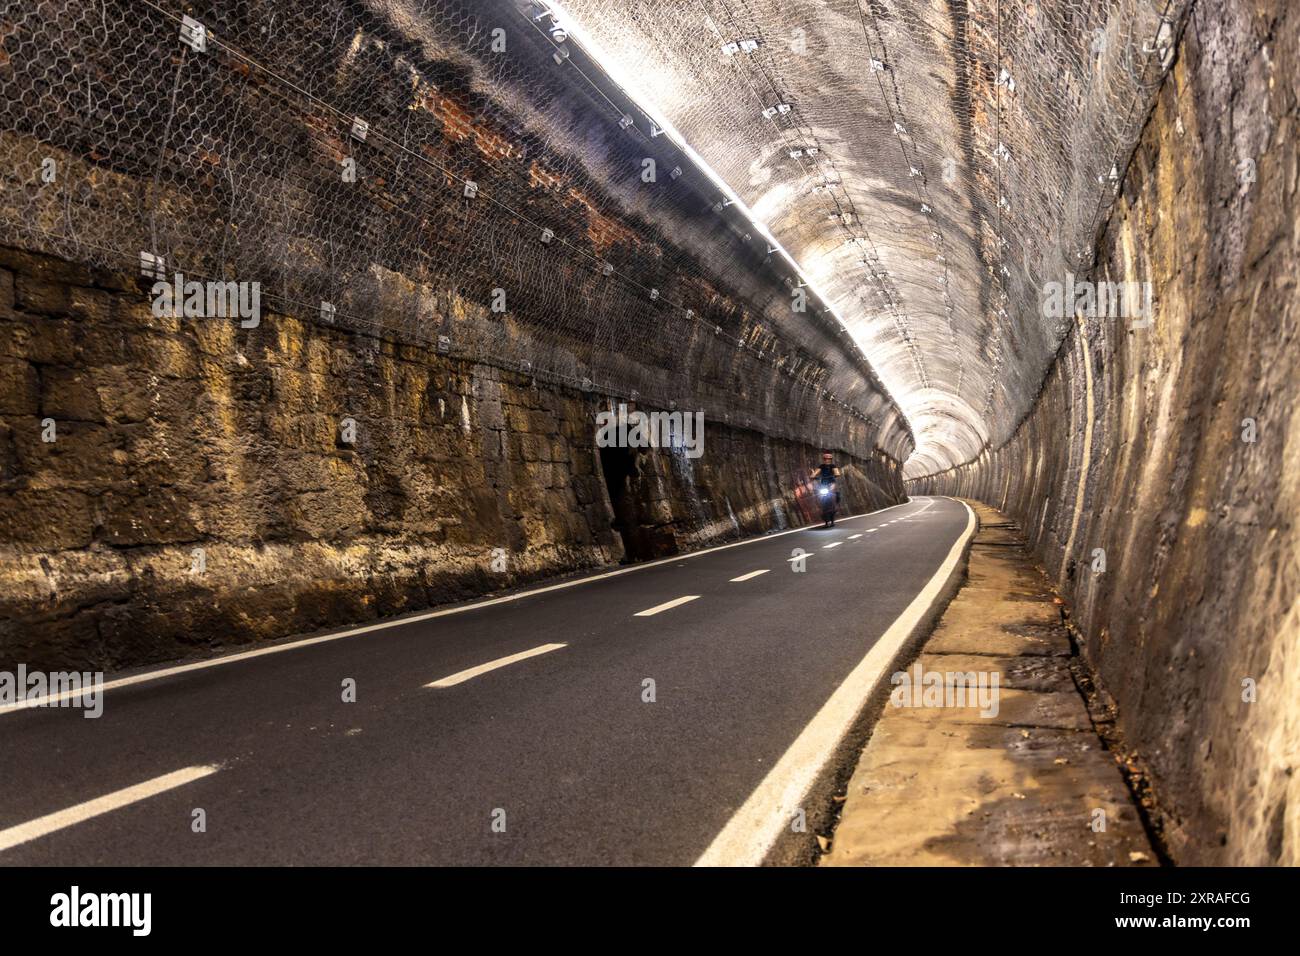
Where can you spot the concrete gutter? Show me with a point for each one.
(1016, 777)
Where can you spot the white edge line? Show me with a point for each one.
(451, 680)
(62, 819)
(752, 831)
(667, 605)
(172, 671)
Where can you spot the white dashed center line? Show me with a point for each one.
(833, 544)
(666, 606)
(461, 676)
(51, 822)
(854, 537)
(751, 574)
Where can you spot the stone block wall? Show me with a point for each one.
(198, 492)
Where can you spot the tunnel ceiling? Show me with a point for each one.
(930, 165)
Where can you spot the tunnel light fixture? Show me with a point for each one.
(676, 172)
(471, 189)
(360, 128)
(625, 121)
(547, 236)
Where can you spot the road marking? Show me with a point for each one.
(751, 574)
(666, 606)
(43, 826)
(870, 530)
(461, 676)
(292, 645)
(754, 829)
(833, 544)
(800, 557)
(854, 537)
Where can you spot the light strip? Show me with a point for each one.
(609, 65)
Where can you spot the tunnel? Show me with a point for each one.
(310, 313)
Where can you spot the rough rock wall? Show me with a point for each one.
(198, 491)
(1139, 446)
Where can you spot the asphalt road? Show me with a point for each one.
(560, 746)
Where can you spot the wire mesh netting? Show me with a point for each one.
(932, 165)
(427, 170)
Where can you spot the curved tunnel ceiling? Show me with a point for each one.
(930, 165)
